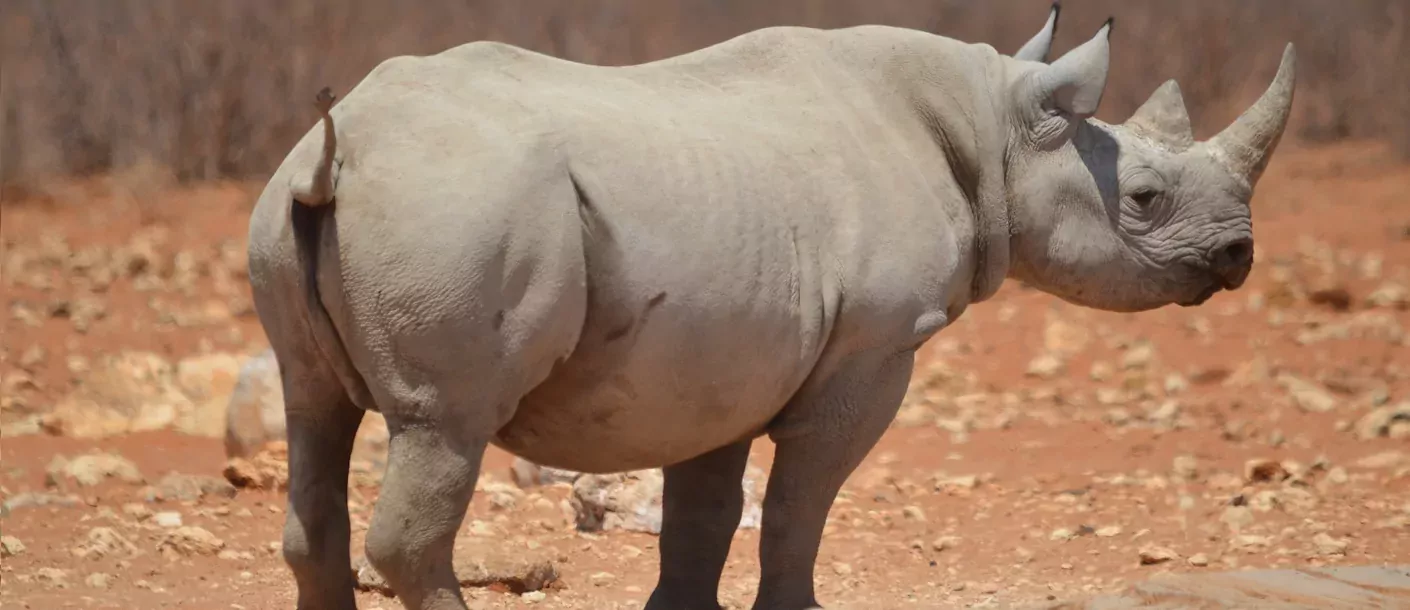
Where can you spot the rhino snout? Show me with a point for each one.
(1226, 268)
(1230, 262)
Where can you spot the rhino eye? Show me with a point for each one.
(1143, 196)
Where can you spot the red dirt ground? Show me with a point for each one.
(1089, 447)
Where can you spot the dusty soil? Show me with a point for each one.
(1046, 452)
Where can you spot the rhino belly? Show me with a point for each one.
(599, 434)
(659, 402)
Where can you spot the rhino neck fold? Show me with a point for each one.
(955, 96)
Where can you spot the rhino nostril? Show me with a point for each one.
(1238, 253)
(1231, 263)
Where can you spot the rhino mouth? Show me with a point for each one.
(1204, 295)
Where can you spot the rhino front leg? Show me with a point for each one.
(701, 506)
(431, 474)
(818, 446)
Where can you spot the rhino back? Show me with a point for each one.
(727, 200)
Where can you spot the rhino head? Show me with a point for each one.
(1138, 215)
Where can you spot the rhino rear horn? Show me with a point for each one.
(1163, 118)
(1247, 145)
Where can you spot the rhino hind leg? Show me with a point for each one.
(701, 505)
(322, 426)
(840, 424)
(431, 474)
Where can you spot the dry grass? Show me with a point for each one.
(220, 89)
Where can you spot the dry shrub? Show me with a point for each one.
(221, 89)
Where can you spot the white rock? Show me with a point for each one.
(527, 474)
(502, 495)
(11, 546)
(1101, 371)
(189, 487)
(1337, 475)
(255, 413)
(1152, 554)
(1389, 296)
(913, 513)
(1378, 422)
(628, 501)
(188, 542)
(91, 469)
(1237, 518)
(1250, 541)
(945, 543)
(207, 381)
(1327, 545)
(601, 579)
(104, 542)
(54, 577)
(234, 555)
(137, 511)
(167, 519)
(1062, 337)
(1306, 395)
(631, 501)
(1186, 467)
(128, 392)
(1046, 366)
(1139, 356)
(1384, 459)
(252, 410)
(1175, 384)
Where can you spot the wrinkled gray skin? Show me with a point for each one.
(606, 269)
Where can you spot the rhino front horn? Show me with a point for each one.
(1247, 144)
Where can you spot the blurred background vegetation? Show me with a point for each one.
(221, 89)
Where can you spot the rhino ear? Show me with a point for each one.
(1038, 47)
(1163, 118)
(1073, 85)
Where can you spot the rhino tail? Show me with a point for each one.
(309, 221)
(316, 188)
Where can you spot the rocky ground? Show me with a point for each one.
(1045, 452)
